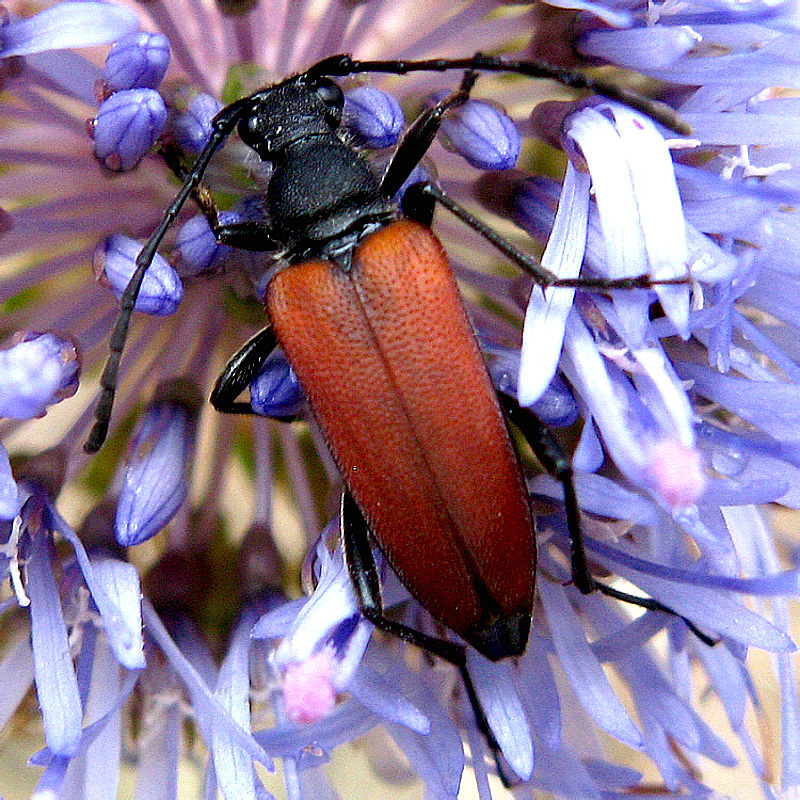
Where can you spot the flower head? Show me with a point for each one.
(158, 584)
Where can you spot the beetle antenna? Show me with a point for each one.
(222, 126)
(342, 65)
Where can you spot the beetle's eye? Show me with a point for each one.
(330, 94)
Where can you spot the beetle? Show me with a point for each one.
(370, 318)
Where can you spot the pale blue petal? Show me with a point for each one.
(588, 455)
(10, 498)
(615, 18)
(120, 582)
(560, 772)
(205, 703)
(232, 765)
(121, 624)
(16, 667)
(626, 255)
(379, 693)
(725, 673)
(56, 684)
(539, 692)
(713, 610)
(333, 602)
(159, 753)
(66, 25)
(583, 670)
(503, 709)
(771, 406)
(659, 209)
(101, 759)
(274, 624)
(640, 48)
(437, 756)
(50, 784)
(546, 315)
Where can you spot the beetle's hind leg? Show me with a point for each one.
(552, 457)
(366, 582)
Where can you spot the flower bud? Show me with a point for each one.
(137, 61)
(276, 390)
(374, 116)
(41, 369)
(197, 245)
(483, 134)
(192, 127)
(114, 264)
(126, 126)
(155, 481)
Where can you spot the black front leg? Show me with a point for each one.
(419, 137)
(249, 235)
(240, 372)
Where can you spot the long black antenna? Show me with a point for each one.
(222, 126)
(660, 112)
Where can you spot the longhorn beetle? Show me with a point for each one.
(370, 318)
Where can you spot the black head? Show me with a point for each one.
(287, 113)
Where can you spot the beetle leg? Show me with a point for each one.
(554, 460)
(365, 581)
(415, 197)
(249, 235)
(240, 371)
(419, 137)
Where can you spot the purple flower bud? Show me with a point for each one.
(197, 245)
(276, 391)
(114, 264)
(137, 61)
(373, 115)
(155, 483)
(39, 370)
(64, 26)
(556, 407)
(192, 127)
(483, 134)
(126, 127)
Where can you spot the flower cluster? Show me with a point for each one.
(141, 592)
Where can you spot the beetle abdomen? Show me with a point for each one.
(395, 378)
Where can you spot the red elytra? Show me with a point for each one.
(396, 380)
